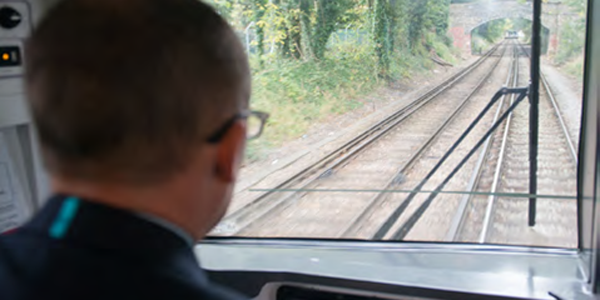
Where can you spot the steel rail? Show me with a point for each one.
(487, 220)
(391, 220)
(458, 219)
(495, 182)
(414, 218)
(560, 118)
(557, 112)
(372, 203)
(265, 203)
(409, 224)
(550, 96)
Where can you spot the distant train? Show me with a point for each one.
(511, 34)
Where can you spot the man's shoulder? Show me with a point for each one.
(30, 264)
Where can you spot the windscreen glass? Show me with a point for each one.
(382, 121)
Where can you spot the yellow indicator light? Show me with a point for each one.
(5, 56)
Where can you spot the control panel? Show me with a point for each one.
(20, 170)
(15, 19)
(15, 26)
(13, 208)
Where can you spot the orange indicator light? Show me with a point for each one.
(5, 56)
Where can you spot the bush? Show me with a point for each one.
(479, 45)
(405, 64)
(297, 94)
(575, 68)
(442, 48)
(572, 41)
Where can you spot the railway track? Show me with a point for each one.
(415, 216)
(491, 219)
(329, 214)
(484, 176)
(503, 219)
(340, 155)
(557, 173)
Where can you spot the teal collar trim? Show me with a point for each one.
(65, 217)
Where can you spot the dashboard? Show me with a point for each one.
(298, 270)
(305, 287)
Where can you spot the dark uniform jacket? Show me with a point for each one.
(74, 249)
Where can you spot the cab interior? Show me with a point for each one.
(298, 267)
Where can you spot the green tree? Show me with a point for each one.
(439, 13)
(258, 12)
(572, 32)
(381, 36)
(301, 29)
(417, 23)
(494, 30)
(305, 29)
(290, 45)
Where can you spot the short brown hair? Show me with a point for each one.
(131, 87)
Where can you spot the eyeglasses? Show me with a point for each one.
(254, 125)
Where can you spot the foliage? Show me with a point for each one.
(572, 40)
(479, 45)
(493, 31)
(301, 29)
(299, 93)
(572, 33)
(577, 6)
(328, 14)
(258, 12)
(381, 37)
(575, 68)
(312, 58)
(439, 12)
(443, 47)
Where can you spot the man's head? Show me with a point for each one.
(126, 94)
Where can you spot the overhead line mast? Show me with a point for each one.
(534, 98)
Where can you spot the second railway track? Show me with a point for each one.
(399, 209)
(503, 219)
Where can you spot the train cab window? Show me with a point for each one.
(407, 150)
(378, 128)
(409, 123)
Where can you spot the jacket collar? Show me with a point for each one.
(116, 232)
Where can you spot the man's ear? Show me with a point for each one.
(230, 152)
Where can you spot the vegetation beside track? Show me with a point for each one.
(314, 59)
(572, 40)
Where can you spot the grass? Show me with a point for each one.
(442, 48)
(574, 67)
(479, 44)
(299, 94)
(406, 64)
